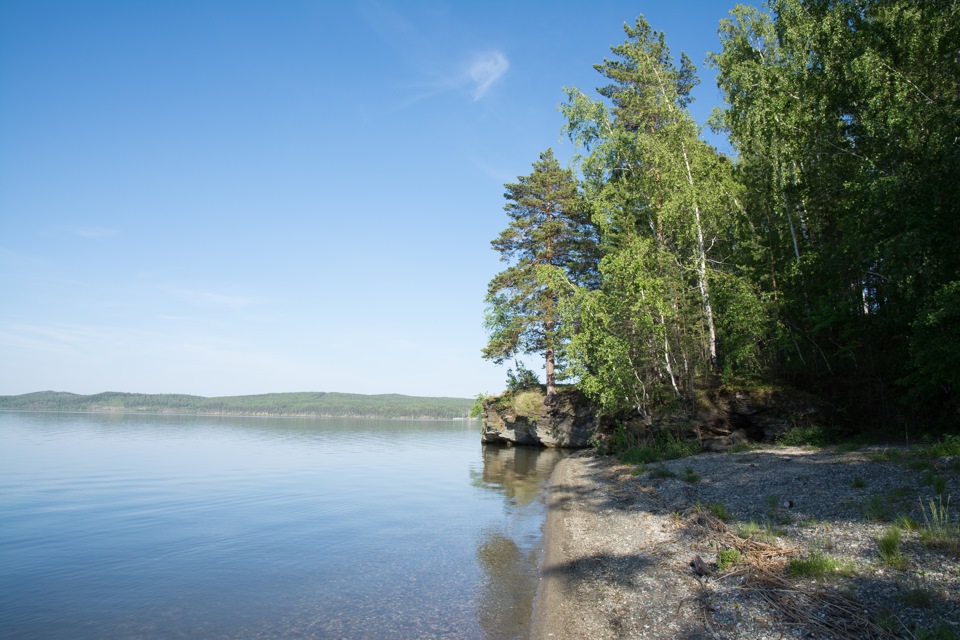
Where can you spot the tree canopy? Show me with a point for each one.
(825, 253)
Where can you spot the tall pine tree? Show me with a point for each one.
(549, 243)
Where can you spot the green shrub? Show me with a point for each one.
(858, 483)
(942, 631)
(663, 446)
(477, 411)
(806, 435)
(524, 378)
(947, 448)
(939, 485)
(728, 557)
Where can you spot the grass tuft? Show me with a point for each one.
(888, 545)
(877, 509)
(689, 475)
(760, 532)
(661, 471)
(720, 511)
(817, 564)
(938, 530)
(918, 597)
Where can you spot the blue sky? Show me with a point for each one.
(234, 197)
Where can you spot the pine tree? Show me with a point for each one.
(549, 242)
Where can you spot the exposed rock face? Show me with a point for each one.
(524, 419)
(758, 415)
(725, 418)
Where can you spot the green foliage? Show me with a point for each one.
(689, 475)
(948, 447)
(720, 511)
(765, 532)
(662, 446)
(823, 254)
(843, 115)
(942, 631)
(934, 355)
(888, 546)
(270, 404)
(877, 508)
(727, 557)
(919, 597)
(549, 245)
(939, 485)
(524, 378)
(858, 483)
(661, 471)
(817, 564)
(938, 529)
(663, 204)
(812, 435)
(477, 409)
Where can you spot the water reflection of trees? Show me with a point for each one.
(509, 563)
(510, 583)
(518, 473)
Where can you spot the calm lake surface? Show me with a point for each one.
(133, 526)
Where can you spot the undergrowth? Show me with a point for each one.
(662, 446)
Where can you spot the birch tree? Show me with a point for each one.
(660, 197)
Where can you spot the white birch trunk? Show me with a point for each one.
(702, 270)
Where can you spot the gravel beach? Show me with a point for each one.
(635, 555)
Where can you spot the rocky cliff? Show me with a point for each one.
(523, 418)
(722, 418)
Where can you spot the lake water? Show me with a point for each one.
(133, 526)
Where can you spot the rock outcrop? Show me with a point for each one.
(523, 418)
(724, 418)
(735, 416)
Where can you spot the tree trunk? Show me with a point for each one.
(702, 272)
(551, 376)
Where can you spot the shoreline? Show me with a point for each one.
(221, 414)
(618, 548)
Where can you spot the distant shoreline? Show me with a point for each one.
(285, 405)
(245, 415)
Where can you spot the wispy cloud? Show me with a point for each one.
(485, 69)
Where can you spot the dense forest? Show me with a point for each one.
(822, 254)
(269, 404)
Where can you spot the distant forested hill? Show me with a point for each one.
(269, 404)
